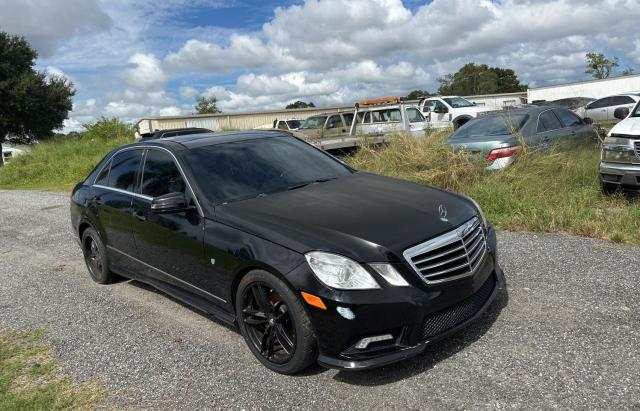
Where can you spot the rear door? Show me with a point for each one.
(115, 189)
(170, 244)
(548, 131)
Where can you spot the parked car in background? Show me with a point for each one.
(311, 259)
(380, 116)
(575, 104)
(449, 111)
(603, 108)
(10, 152)
(499, 136)
(280, 124)
(173, 132)
(333, 124)
(620, 161)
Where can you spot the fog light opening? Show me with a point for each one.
(364, 343)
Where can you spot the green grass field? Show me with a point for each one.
(30, 379)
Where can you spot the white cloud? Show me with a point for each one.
(145, 72)
(188, 92)
(46, 24)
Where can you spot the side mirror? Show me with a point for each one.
(587, 120)
(621, 113)
(169, 203)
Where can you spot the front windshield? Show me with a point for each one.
(314, 122)
(294, 124)
(240, 170)
(458, 102)
(492, 126)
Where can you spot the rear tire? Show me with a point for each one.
(95, 256)
(274, 323)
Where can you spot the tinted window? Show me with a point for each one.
(348, 118)
(619, 100)
(548, 121)
(334, 122)
(124, 170)
(245, 169)
(161, 175)
(568, 118)
(103, 178)
(603, 102)
(492, 126)
(414, 115)
(294, 124)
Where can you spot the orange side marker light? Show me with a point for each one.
(313, 300)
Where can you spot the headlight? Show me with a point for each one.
(483, 219)
(618, 153)
(340, 272)
(390, 274)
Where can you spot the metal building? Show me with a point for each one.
(591, 88)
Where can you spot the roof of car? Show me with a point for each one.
(520, 110)
(207, 139)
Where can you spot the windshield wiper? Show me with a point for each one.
(306, 183)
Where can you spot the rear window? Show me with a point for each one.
(492, 126)
(124, 170)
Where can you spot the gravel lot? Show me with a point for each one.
(566, 335)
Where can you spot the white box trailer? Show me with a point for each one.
(591, 88)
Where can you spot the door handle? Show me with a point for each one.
(139, 216)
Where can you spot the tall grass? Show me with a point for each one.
(554, 190)
(59, 163)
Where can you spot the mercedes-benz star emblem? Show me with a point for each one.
(442, 210)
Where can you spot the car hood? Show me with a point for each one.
(363, 216)
(630, 126)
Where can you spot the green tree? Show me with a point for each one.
(299, 104)
(207, 105)
(417, 94)
(628, 71)
(473, 79)
(600, 66)
(32, 105)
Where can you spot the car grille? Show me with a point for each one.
(458, 313)
(637, 145)
(450, 256)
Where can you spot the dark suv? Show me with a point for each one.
(313, 260)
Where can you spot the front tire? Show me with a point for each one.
(95, 256)
(274, 323)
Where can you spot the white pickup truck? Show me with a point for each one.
(449, 111)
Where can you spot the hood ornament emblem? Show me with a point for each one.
(442, 210)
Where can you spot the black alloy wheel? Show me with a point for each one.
(274, 323)
(268, 323)
(95, 256)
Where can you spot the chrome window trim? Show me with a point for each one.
(117, 190)
(166, 273)
(148, 147)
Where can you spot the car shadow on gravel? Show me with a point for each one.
(435, 353)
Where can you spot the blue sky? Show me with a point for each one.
(143, 58)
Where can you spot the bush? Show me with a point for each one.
(59, 163)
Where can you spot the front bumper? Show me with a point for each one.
(627, 176)
(414, 316)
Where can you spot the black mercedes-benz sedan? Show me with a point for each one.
(311, 259)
